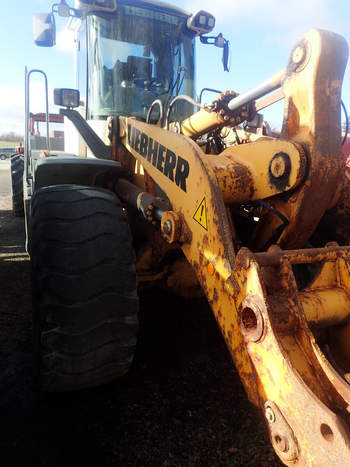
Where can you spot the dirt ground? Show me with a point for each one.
(182, 404)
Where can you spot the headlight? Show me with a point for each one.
(201, 22)
(66, 97)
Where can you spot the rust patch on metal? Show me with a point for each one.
(250, 318)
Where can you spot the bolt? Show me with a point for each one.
(298, 55)
(167, 227)
(278, 167)
(270, 415)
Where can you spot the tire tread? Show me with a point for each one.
(17, 168)
(84, 287)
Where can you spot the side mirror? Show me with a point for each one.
(44, 30)
(66, 97)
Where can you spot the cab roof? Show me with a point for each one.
(156, 5)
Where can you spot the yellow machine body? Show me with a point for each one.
(288, 341)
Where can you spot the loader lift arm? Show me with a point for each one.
(269, 325)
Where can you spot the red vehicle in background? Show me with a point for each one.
(35, 119)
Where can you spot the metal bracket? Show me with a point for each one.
(282, 436)
(92, 140)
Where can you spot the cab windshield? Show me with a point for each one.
(135, 57)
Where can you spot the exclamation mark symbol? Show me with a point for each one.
(200, 219)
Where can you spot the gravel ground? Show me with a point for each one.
(182, 404)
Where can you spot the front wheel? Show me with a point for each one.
(84, 287)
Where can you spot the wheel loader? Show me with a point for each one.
(156, 187)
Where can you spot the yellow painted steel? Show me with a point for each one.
(255, 298)
(207, 119)
(326, 307)
(202, 122)
(288, 364)
(244, 174)
(312, 117)
(207, 247)
(326, 301)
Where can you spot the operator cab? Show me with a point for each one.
(136, 55)
(133, 58)
(131, 53)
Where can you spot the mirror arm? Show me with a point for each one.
(222, 43)
(92, 140)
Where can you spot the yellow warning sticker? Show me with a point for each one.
(200, 215)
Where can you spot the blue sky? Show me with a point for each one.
(261, 33)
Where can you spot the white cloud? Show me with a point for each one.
(13, 104)
(11, 110)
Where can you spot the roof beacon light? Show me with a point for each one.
(201, 22)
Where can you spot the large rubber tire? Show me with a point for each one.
(85, 302)
(17, 166)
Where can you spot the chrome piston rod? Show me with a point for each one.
(273, 83)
